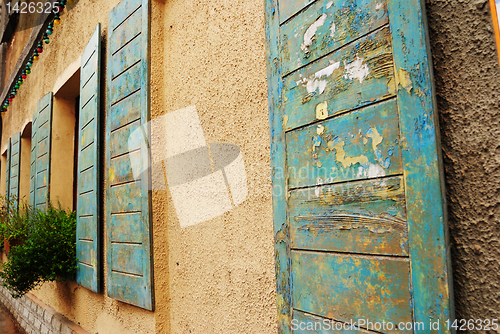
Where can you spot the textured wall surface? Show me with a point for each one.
(467, 77)
(217, 276)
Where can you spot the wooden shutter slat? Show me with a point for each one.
(88, 184)
(40, 153)
(128, 208)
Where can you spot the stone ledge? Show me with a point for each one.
(34, 316)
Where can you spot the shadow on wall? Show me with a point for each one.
(467, 78)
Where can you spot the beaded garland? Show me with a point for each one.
(36, 54)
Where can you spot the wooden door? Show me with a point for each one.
(359, 208)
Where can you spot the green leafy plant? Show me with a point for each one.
(14, 220)
(47, 251)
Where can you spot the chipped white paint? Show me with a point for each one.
(310, 34)
(333, 29)
(318, 83)
(320, 130)
(328, 5)
(379, 6)
(356, 70)
(372, 171)
(327, 71)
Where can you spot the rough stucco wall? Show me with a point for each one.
(467, 77)
(221, 271)
(94, 312)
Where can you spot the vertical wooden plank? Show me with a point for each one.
(88, 218)
(425, 197)
(41, 142)
(128, 201)
(278, 160)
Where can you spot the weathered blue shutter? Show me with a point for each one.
(128, 201)
(41, 139)
(15, 164)
(7, 170)
(359, 212)
(88, 203)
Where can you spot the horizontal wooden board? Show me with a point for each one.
(126, 57)
(345, 287)
(120, 169)
(326, 26)
(358, 145)
(130, 289)
(126, 83)
(127, 258)
(309, 324)
(118, 17)
(87, 157)
(86, 204)
(128, 228)
(42, 179)
(89, 68)
(360, 217)
(87, 227)
(88, 111)
(289, 8)
(126, 111)
(85, 250)
(125, 198)
(85, 272)
(352, 77)
(87, 134)
(86, 180)
(119, 140)
(129, 29)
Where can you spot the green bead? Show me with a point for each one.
(47, 41)
(17, 86)
(28, 71)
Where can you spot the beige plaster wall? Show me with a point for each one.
(216, 277)
(219, 275)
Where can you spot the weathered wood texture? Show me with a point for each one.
(346, 287)
(366, 217)
(88, 218)
(128, 200)
(278, 159)
(355, 76)
(333, 24)
(41, 138)
(358, 145)
(310, 324)
(354, 148)
(425, 193)
(14, 168)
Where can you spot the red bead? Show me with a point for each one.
(40, 50)
(10, 99)
(24, 76)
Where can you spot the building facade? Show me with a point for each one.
(152, 120)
